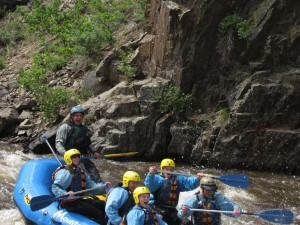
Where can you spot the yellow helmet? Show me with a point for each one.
(68, 155)
(167, 162)
(130, 176)
(138, 191)
(208, 183)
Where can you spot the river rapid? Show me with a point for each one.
(267, 190)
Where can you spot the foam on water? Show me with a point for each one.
(10, 165)
(11, 217)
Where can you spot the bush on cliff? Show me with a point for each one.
(235, 20)
(174, 100)
(67, 33)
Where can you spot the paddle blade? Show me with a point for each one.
(120, 154)
(235, 180)
(40, 202)
(277, 216)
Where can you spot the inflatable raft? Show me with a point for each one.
(34, 180)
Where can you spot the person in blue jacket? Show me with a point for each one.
(208, 199)
(166, 189)
(142, 213)
(72, 178)
(120, 199)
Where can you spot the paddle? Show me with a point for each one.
(111, 155)
(234, 180)
(272, 215)
(45, 138)
(43, 201)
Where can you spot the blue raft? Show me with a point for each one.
(34, 180)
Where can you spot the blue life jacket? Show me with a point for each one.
(206, 218)
(168, 194)
(78, 138)
(78, 182)
(150, 217)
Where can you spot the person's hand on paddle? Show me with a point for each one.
(184, 209)
(70, 193)
(236, 212)
(152, 170)
(107, 184)
(199, 175)
(98, 155)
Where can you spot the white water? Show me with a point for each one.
(267, 191)
(10, 164)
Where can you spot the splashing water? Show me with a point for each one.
(267, 190)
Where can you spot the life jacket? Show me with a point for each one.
(78, 138)
(78, 182)
(150, 217)
(168, 194)
(206, 218)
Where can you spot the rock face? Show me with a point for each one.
(251, 68)
(256, 79)
(10, 5)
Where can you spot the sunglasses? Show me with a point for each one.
(75, 156)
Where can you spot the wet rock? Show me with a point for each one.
(10, 5)
(39, 146)
(182, 141)
(161, 137)
(256, 66)
(9, 115)
(3, 91)
(27, 104)
(93, 83)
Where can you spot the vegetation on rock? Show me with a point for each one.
(66, 33)
(235, 20)
(174, 100)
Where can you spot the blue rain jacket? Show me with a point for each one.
(116, 199)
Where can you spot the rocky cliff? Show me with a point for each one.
(238, 57)
(256, 78)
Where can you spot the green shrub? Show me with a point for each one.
(48, 99)
(33, 79)
(125, 67)
(12, 30)
(223, 116)
(53, 58)
(83, 95)
(52, 99)
(2, 62)
(174, 100)
(236, 21)
(243, 29)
